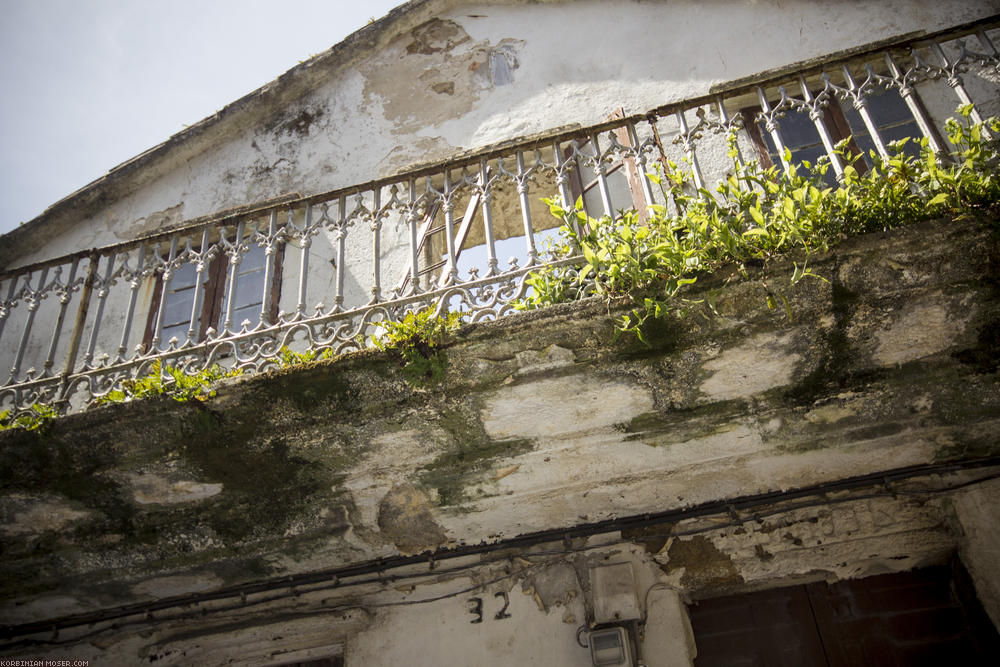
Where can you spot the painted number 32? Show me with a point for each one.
(476, 608)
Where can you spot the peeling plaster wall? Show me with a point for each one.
(442, 77)
(976, 513)
(543, 421)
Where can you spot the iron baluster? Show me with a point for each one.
(686, 138)
(448, 203)
(952, 69)
(485, 186)
(411, 223)
(858, 99)
(814, 105)
(769, 117)
(64, 293)
(341, 235)
(235, 259)
(376, 227)
(522, 191)
(305, 243)
(902, 82)
(270, 247)
(103, 285)
(33, 299)
(81, 320)
(600, 171)
(204, 256)
(166, 278)
(563, 165)
(135, 282)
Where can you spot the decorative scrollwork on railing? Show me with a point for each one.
(332, 268)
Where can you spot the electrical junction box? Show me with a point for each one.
(610, 648)
(613, 590)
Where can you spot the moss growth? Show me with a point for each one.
(834, 370)
(984, 356)
(681, 425)
(470, 451)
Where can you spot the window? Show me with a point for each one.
(890, 114)
(196, 308)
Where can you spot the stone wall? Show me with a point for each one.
(743, 448)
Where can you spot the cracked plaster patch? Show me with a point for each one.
(562, 407)
(405, 517)
(436, 72)
(26, 515)
(921, 331)
(764, 362)
(148, 489)
(537, 361)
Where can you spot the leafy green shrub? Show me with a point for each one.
(169, 381)
(37, 418)
(758, 214)
(288, 357)
(417, 338)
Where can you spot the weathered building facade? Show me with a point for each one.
(828, 473)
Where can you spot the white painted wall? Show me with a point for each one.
(577, 62)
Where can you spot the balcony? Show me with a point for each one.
(325, 272)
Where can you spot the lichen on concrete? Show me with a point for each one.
(541, 420)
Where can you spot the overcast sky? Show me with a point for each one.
(88, 84)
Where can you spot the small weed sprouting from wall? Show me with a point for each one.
(165, 380)
(288, 357)
(758, 214)
(417, 338)
(35, 419)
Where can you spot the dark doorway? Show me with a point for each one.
(925, 617)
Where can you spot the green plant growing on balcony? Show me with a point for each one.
(166, 380)
(418, 338)
(758, 214)
(39, 415)
(288, 357)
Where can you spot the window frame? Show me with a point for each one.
(213, 295)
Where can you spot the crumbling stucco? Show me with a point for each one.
(25, 514)
(406, 518)
(542, 421)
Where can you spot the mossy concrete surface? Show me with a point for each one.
(542, 420)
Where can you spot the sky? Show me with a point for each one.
(89, 84)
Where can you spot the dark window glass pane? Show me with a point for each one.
(887, 107)
(184, 276)
(253, 258)
(892, 119)
(866, 146)
(249, 289)
(797, 129)
(179, 332)
(251, 313)
(177, 308)
(812, 154)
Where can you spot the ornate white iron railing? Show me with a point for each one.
(322, 272)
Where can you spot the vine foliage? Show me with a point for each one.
(418, 338)
(758, 214)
